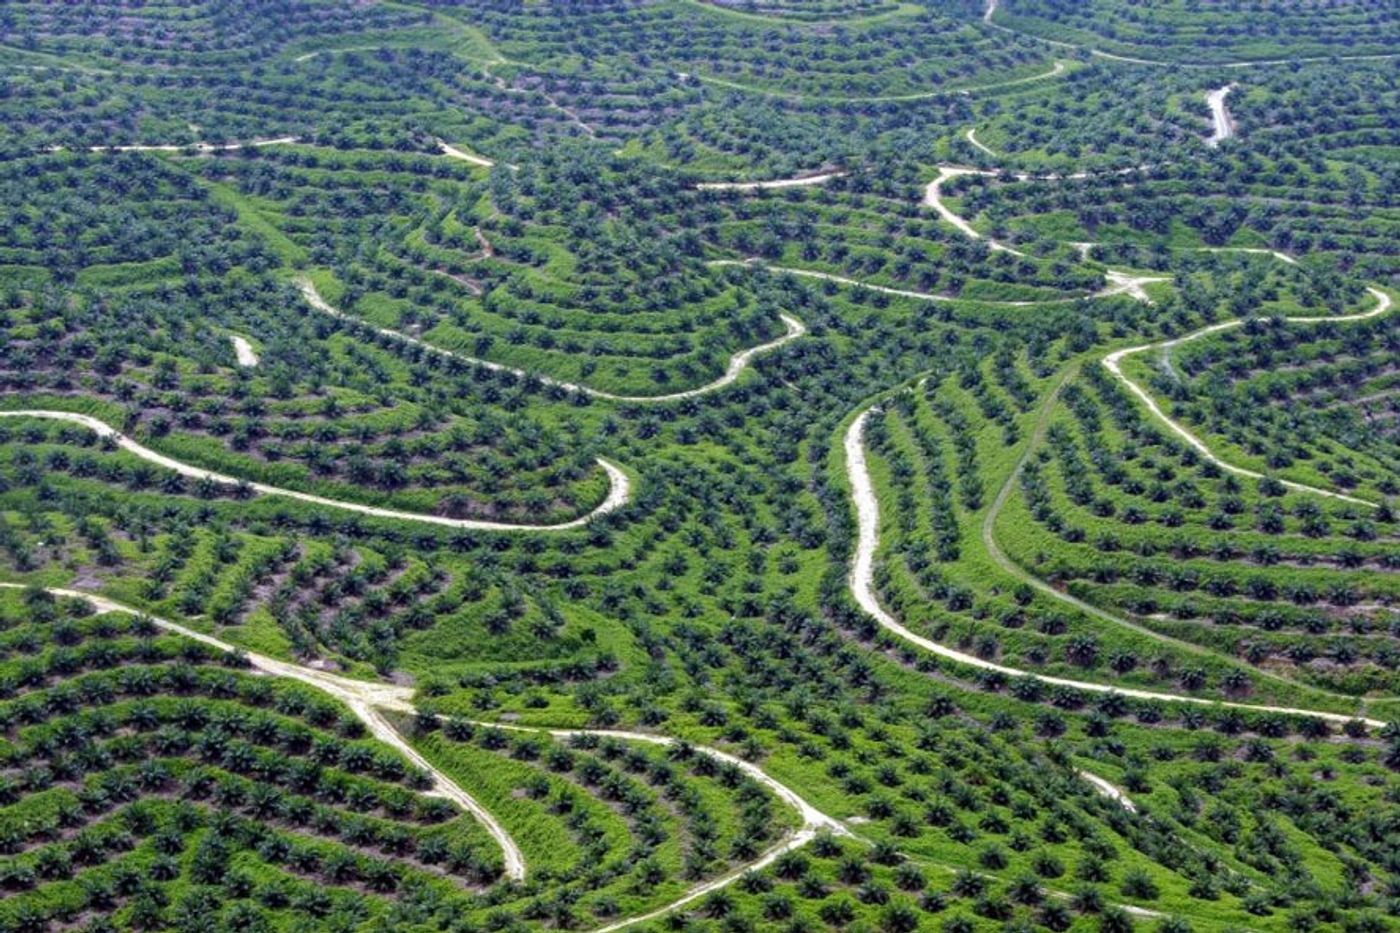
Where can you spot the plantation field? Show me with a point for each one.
(718, 465)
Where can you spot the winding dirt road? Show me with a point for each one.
(972, 138)
(933, 198)
(1220, 116)
(619, 492)
(1113, 363)
(994, 5)
(933, 193)
(1280, 256)
(737, 363)
(862, 586)
(364, 698)
(446, 148)
(1119, 283)
(368, 699)
(453, 152)
(814, 821)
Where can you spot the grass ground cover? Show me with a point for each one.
(1222, 646)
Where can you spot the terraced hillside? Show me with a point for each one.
(1214, 32)
(679, 464)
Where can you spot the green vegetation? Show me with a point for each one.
(1191, 32)
(529, 589)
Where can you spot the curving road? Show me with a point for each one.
(972, 138)
(368, 699)
(814, 821)
(1113, 360)
(933, 193)
(453, 152)
(1119, 283)
(1277, 254)
(993, 5)
(446, 148)
(363, 697)
(737, 363)
(862, 586)
(933, 198)
(1220, 116)
(619, 491)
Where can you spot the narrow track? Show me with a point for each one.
(243, 351)
(1114, 360)
(798, 181)
(1220, 116)
(363, 697)
(1119, 283)
(619, 491)
(185, 147)
(737, 363)
(862, 586)
(972, 138)
(369, 701)
(1109, 790)
(933, 197)
(994, 5)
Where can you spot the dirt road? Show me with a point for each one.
(619, 492)
(737, 363)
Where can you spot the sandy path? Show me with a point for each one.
(487, 249)
(862, 587)
(933, 198)
(797, 182)
(1280, 256)
(1122, 283)
(455, 153)
(446, 148)
(197, 147)
(992, 6)
(243, 350)
(1113, 360)
(367, 700)
(619, 492)
(793, 841)
(737, 363)
(1119, 283)
(362, 697)
(1109, 790)
(1056, 69)
(972, 138)
(1224, 124)
(814, 821)
(856, 283)
(933, 193)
